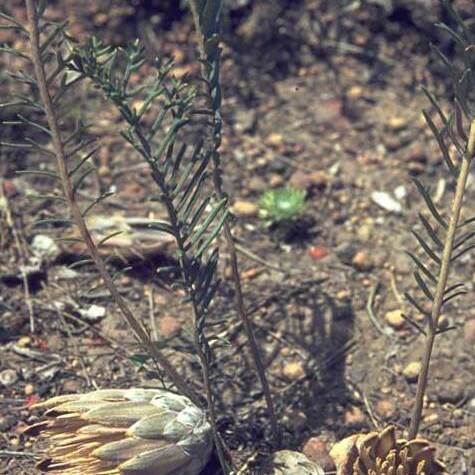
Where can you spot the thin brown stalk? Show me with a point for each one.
(249, 330)
(78, 219)
(231, 248)
(442, 282)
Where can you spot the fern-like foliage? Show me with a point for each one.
(49, 85)
(445, 240)
(78, 145)
(180, 171)
(451, 131)
(206, 16)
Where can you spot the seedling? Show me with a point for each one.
(284, 205)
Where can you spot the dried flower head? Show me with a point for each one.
(380, 453)
(132, 431)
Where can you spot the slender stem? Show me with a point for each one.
(230, 244)
(442, 283)
(185, 265)
(58, 144)
(213, 417)
(249, 330)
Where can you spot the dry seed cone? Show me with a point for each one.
(124, 431)
(380, 453)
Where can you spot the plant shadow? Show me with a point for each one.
(303, 324)
(320, 331)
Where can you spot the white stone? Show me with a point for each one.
(386, 201)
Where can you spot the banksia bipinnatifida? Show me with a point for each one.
(380, 453)
(128, 432)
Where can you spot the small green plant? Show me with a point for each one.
(283, 205)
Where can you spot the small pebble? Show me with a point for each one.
(319, 178)
(317, 252)
(443, 323)
(317, 451)
(452, 391)
(415, 155)
(355, 92)
(415, 168)
(400, 192)
(245, 209)
(386, 201)
(276, 181)
(252, 273)
(288, 462)
(65, 273)
(9, 188)
(386, 390)
(346, 252)
(354, 417)
(29, 389)
(297, 420)
(364, 231)
(412, 370)
(396, 123)
(245, 120)
(469, 331)
(169, 326)
(7, 422)
(293, 371)
(285, 351)
(394, 319)
(343, 294)
(362, 261)
(303, 180)
(256, 183)
(431, 418)
(8, 377)
(71, 386)
(24, 341)
(93, 313)
(45, 247)
(386, 409)
(275, 139)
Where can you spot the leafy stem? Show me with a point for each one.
(77, 216)
(206, 17)
(194, 219)
(186, 266)
(442, 279)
